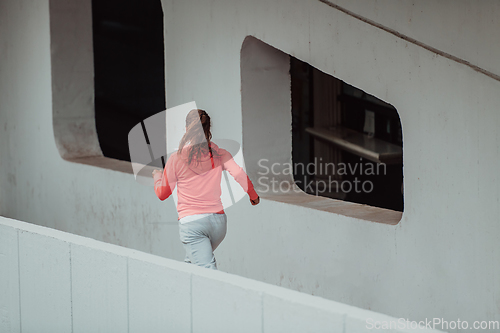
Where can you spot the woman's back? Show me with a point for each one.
(198, 182)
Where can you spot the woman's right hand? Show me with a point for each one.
(255, 202)
(155, 171)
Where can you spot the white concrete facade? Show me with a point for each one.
(60, 282)
(441, 260)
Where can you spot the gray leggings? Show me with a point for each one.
(201, 237)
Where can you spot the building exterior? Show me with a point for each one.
(436, 62)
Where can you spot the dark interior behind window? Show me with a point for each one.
(129, 69)
(353, 139)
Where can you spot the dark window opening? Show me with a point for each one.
(346, 144)
(129, 69)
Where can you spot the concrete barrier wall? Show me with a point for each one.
(52, 281)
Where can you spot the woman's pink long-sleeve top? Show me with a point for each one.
(198, 185)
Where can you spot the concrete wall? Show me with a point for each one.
(60, 282)
(460, 28)
(441, 260)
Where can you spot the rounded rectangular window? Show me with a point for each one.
(314, 141)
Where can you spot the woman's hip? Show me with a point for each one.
(203, 225)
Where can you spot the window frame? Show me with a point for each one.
(267, 135)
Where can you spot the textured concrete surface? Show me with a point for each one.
(447, 239)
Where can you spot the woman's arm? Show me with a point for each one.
(165, 181)
(239, 175)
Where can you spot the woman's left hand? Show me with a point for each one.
(155, 171)
(255, 202)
